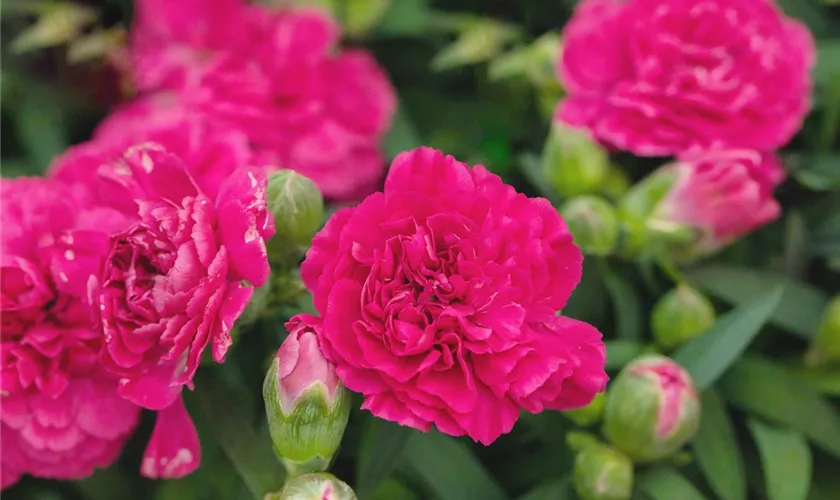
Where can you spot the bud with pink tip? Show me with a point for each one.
(306, 404)
(652, 409)
(318, 486)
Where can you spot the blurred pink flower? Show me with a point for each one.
(172, 283)
(277, 77)
(439, 300)
(723, 195)
(300, 363)
(61, 416)
(659, 77)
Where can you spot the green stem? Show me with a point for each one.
(250, 452)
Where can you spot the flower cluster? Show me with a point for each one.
(276, 77)
(716, 83)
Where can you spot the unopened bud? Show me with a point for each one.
(298, 210)
(589, 414)
(652, 409)
(681, 315)
(616, 183)
(306, 404)
(317, 486)
(573, 163)
(826, 344)
(602, 473)
(593, 223)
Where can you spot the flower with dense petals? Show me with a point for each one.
(60, 416)
(659, 77)
(276, 77)
(439, 300)
(174, 282)
(719, 195)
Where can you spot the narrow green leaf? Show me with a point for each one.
(404, 18)
(382, 444)
(665, 483)
(799, 310)
(621, 352)
(786, 460)
(402, 136)
(531, 167)
(765, 389)
(820, 172)
(560, 489)
(628, 309)
(40, 127)
(707, 357)
(449, 469)
(250, 451)
(716, 450)
(828, 60)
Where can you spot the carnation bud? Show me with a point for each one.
(652, 409)
(636, 207)
(616, 183)
(589, 414)
(298, 210)
(317, 486)
(593, 223)
(602, 473)
(826, 344)
(681, 315)
(306, 404)
(573, 163)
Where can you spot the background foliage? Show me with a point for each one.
(473, 82)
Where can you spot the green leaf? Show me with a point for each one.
(665, 483)
(39, 124)
(382, 444)
(707, 357)
(560, 489)
(449, 469)
(813, 15)
(799, 310)
(621, 352)
(402, 136)
(628, 308)
(765, 389)
(825, 379)
(828, 60)
(820, 172)
(716, 450)
(786, 460)
(531, 167)
(249, 451)
(480, 40)
(404, 18)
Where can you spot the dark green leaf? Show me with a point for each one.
(249, 451)
(786, 461)
(828, 59)
(716, 450)
(813, 15)
(404, 18)
(628, 309)
(382, 444)
(820, 172)
(765, 389)
(449, 469)
(40, 129)
(799, 310)
(560, 489)
(621, 352)
(665, 483)
(707, 357)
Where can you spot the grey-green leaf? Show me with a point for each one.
(716, 450)
(628, 309)
(707, 357)
(621, 352)
(665, 483)
(786, 461)
(799, 310)
(449, 469)
(561, 489)
(765, 389)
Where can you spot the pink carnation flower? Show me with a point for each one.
(439, 300)
(277, 77)
(173, 283)
(659, 77)
(61, 416)
(722, 195)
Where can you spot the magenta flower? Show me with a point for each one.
(721, 195)
(61, 416)
(277, 77)
(659, 77)
(173, 282)
(439, 300)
